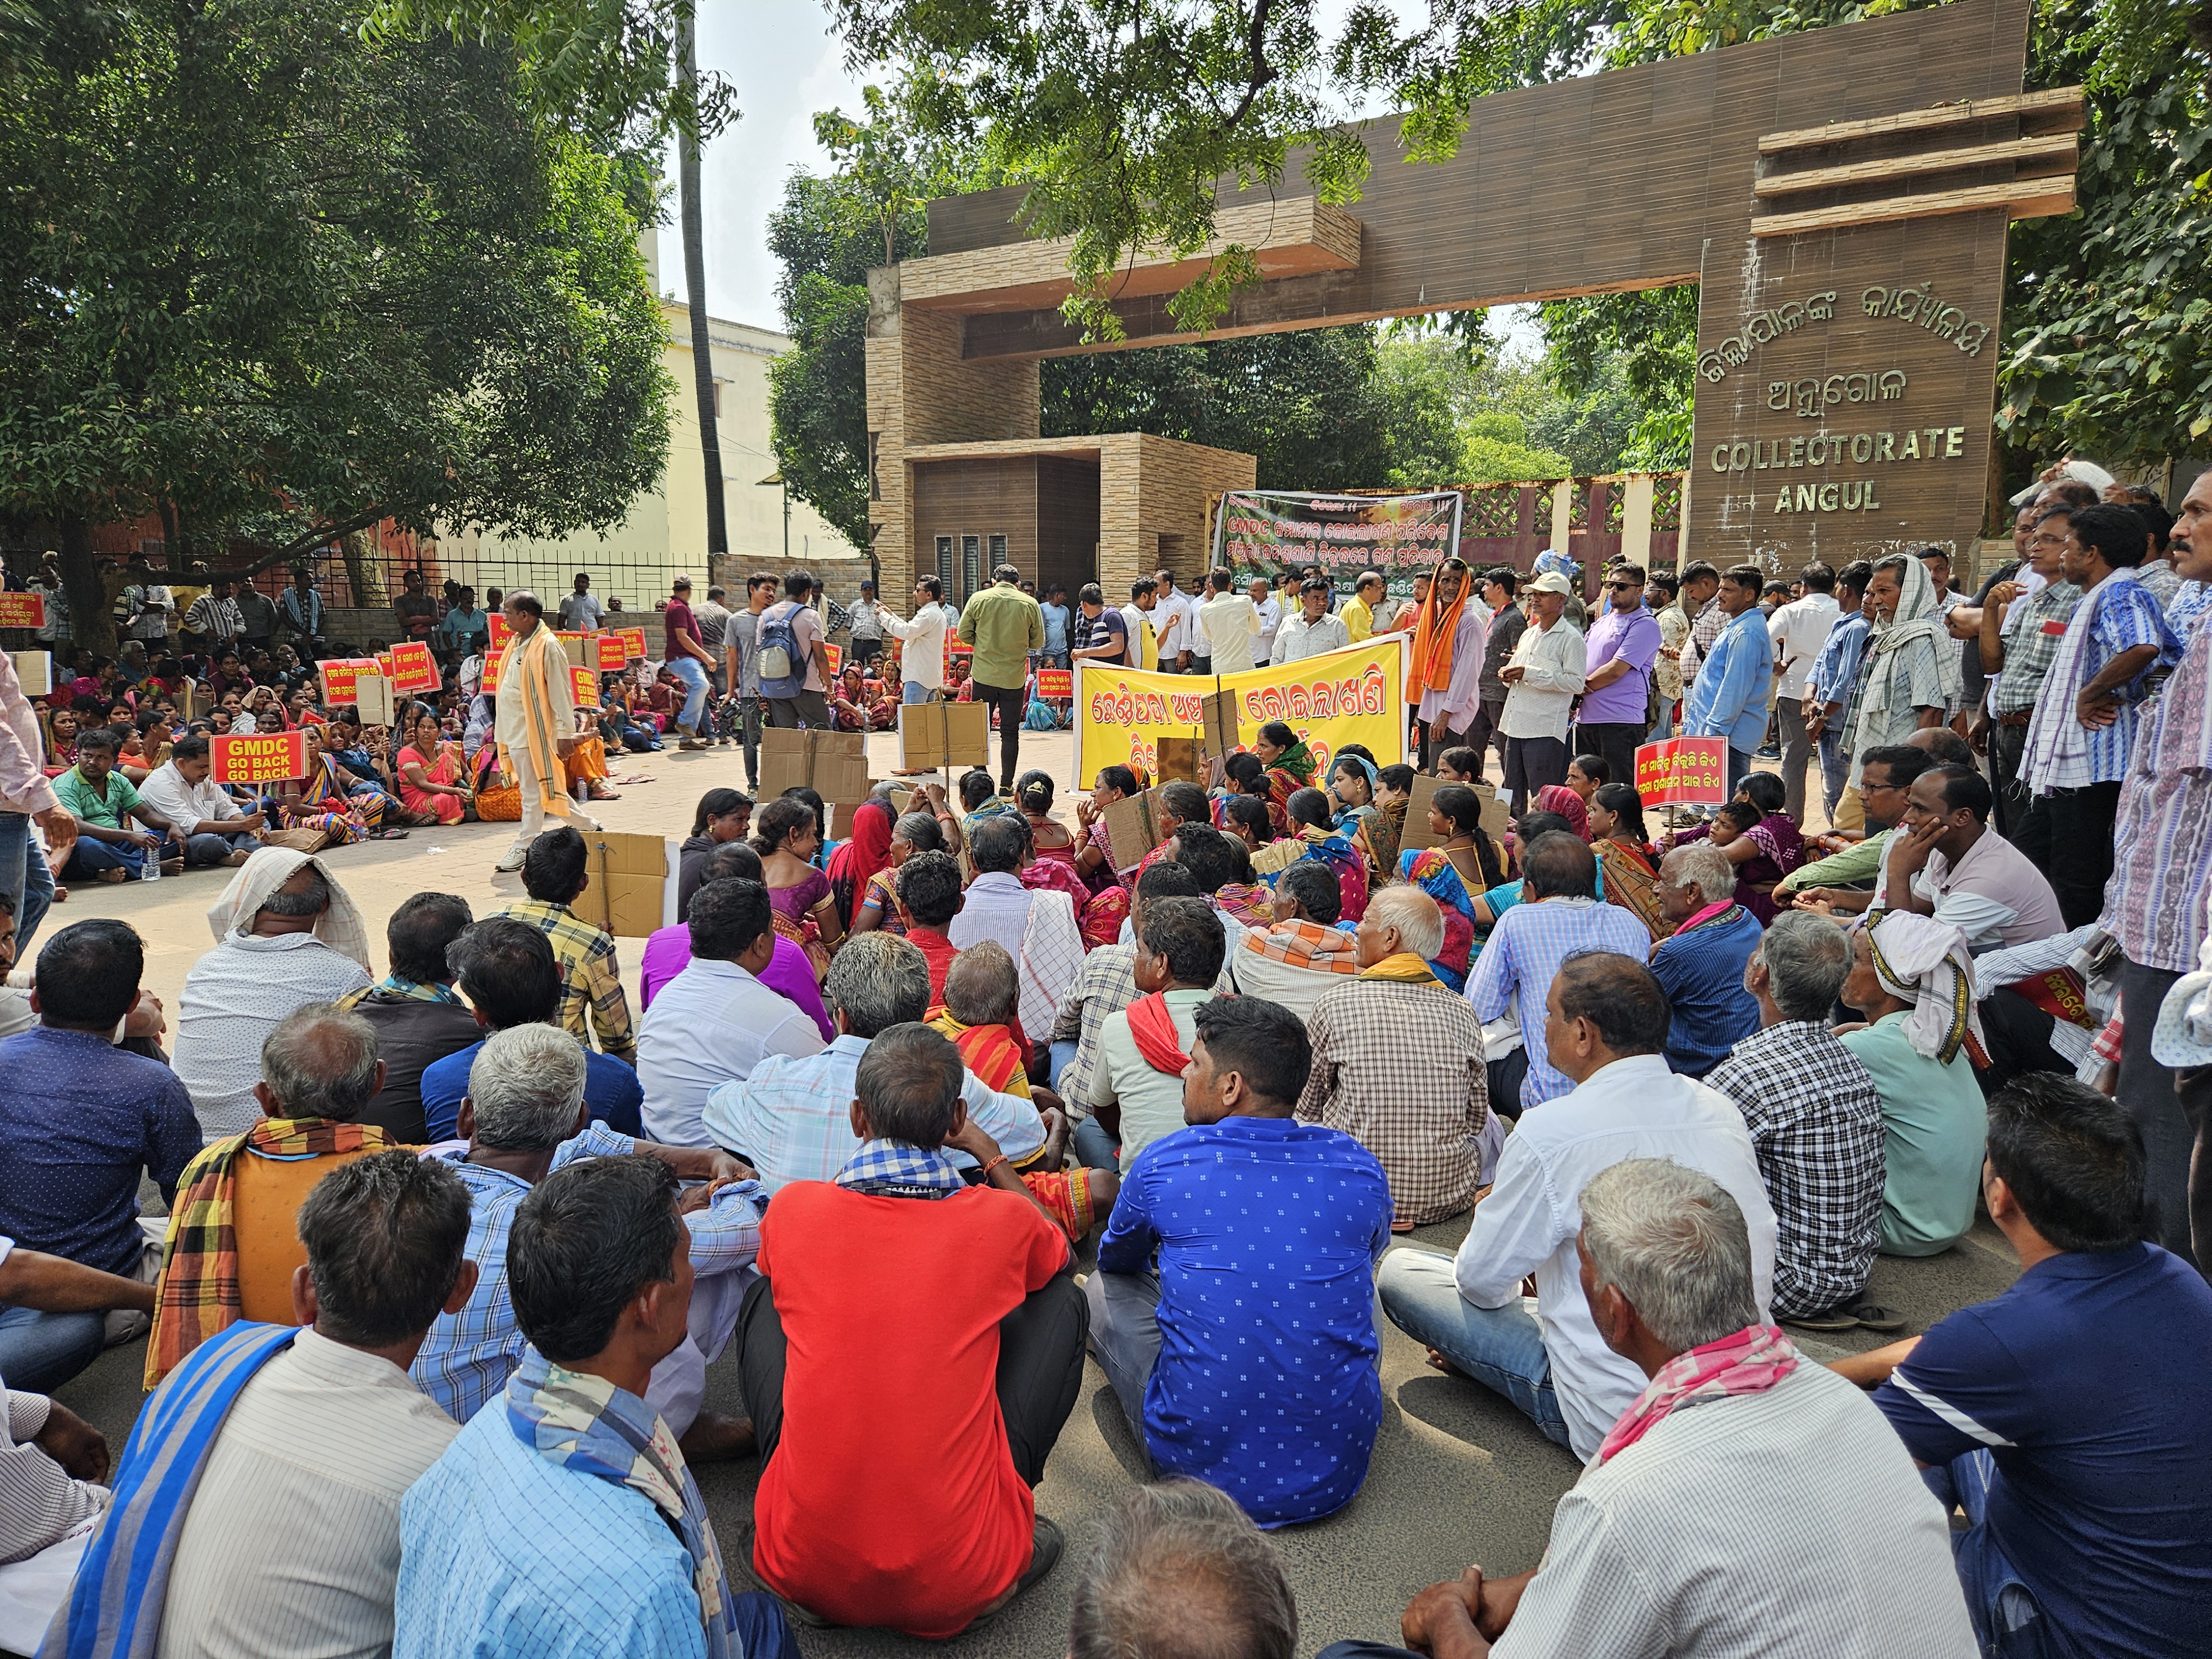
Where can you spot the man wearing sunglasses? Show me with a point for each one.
(1623, 644)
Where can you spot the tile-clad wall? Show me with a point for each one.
(1067, 522)
(1151, 487)
(982, 497)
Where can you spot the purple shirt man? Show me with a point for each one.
(1634, 637)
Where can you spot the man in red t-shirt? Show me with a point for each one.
(929, 892)
(901, 1437)
(688, 660)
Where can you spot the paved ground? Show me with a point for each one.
(1458, 1476)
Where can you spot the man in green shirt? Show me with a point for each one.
(1004, 625)
(103, 803)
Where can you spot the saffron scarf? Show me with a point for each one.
(528, 676)
(198, 1293)
(1751, 1362)
(989, 1052)
(1436, 632)
(589, 1426)
(1404, 968)
(1158, 1042)
(115, 1606)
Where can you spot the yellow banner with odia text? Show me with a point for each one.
(1353, 695)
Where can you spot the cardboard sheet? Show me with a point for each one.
(629, 875)
(934, 735)
(834, 764)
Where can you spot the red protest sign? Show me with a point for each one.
(501, 632)
(614, 651)
(584, 688)
(836, 656)
(22, 610)
(494, 663)
(413, 668)
(1055, 684)
(1683, 772)
(271, 759)
(633, 641)
(340, 677)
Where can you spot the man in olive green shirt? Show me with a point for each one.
(1004, 625)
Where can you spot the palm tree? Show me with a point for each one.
(695, 283)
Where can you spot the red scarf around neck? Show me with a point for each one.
(1158, 1042)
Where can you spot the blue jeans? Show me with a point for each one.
(1125, 1337)
(693, 673)
(1661, 729)
(26, 878)
(915, 691)
(212, 848)
(761, 1628)
(1094, 1148)
(1835, 771)
(1502, 1348)
(1063, 1055)
(90, 857)
(2008, 1623)
(40, 1351)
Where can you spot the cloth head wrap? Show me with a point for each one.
(1924, 961)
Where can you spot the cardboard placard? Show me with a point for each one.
(374, 699)
(414, 669)
(1181, 759)
(833, 764)
(573, 645)
(1217, 715)
(272, 759)
(1683, 772)
(1496, 821)
(1055, 684)
(939, 734)
(633, 641)
(1133, 827)
(188, 701)
(22, 610)
(35, 669)
(584, 687)
(629, 878)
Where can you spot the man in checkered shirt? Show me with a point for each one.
(1814, 1118)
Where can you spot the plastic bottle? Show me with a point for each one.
(150, 867)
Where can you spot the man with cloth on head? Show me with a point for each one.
(1444, 681)
(1908, 677)
(535, 727)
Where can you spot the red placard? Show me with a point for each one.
(633, 641)
(584, 688)
(340, 675)
(1055, 684)
(614, 651)
(271, 759)
(22, 610)
(501, 632)
(836, 656)
(384, 664)
(1683, 772)
(494, 663)
(413, 668)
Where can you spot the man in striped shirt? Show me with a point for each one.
(2085, 722)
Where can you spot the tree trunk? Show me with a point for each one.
(92, 620)
(695, 292)
(364, 573)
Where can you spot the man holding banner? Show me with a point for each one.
(534, 722)
(1444, 682)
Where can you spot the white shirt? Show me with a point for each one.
(1538, 703)
(1227, 625)
(510, 727)
(235, 996)
(1271, 619)
(1137, 621)
(292, 1541)
(1298, 638)
(1799, 630)
(186, 804)
(1172, 618)
(1750, 1526)
(922, 645)
(1634, 1107)
(711, 1025)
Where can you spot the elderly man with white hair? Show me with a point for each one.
(1700, 964)
(1606, 1019)
(1912, 979)
(1747, 1501)
(523, 1118)
(1816, 1120)
(285, 935)
(1429, 1124)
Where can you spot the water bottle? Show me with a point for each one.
(150, 867)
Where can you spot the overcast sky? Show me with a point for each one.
(785, 65)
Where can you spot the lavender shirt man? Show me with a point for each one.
(1621, 646)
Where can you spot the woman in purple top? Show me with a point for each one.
(789, 973)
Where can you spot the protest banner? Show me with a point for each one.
(1262, 533)
(613, 653)
(414, 670)
(275, 758)
(340, 676)
(1055, 684)
(22, 610)
(1683, 772)
(494, 664)
(633, 641)
(1352, 695)
(501, 632)
(584, 686)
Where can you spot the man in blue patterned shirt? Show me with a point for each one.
(524, 1117)
(1247, 1357)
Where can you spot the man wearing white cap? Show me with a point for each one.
(1542, 680)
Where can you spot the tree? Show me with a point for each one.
(284, 284)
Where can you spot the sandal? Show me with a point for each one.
(600, 791)
(1401, 1226)
(387, 834)
(1876, 1318)
(1836, 1319)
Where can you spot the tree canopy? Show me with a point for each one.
(286, 283)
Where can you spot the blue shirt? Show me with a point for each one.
(1268, 1231)
(1520, 960)
(2088, 1383)
(1702, 973)
(79, 1119)
(610, 1090)
(503, 1552)
(1729, 697)
(1836, 669)
(1055, 627)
